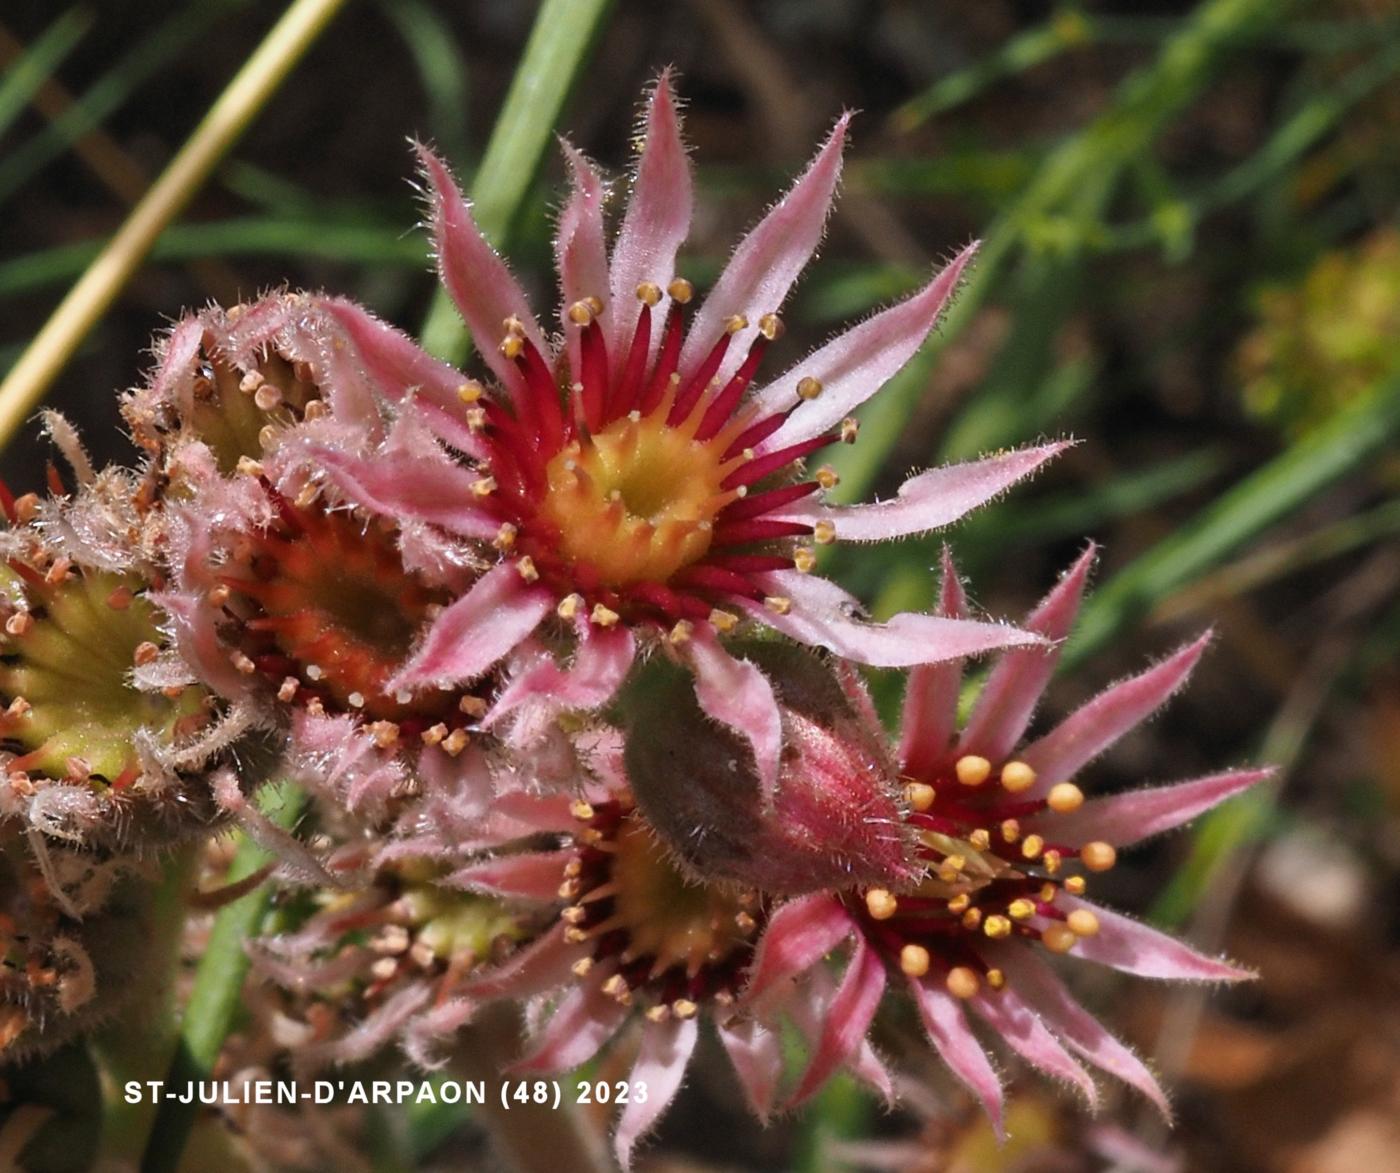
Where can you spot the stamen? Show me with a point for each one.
(914, 960)
(1058, 938)
(1098, 856)
(1017, 777)
(881, 903)
(963, 982)
(972, 770)
(1064, 797)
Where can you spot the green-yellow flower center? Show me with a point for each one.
(637, 501)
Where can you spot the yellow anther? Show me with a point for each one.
(649, 292)
(997, 926)
(1048, 892)
(996, 979)
(484, 486)
(580, 313)
(1010, 830)
(251, 382)
(808, 387)
(958, 904)
(582, 966)
(513, 327)
(603, 616)
(684, 1008)
(1021, 909)
(658, 1014)
(582, 810)
(385, 734)
(881, 903)
(1076, 885)
(505, 536)
(1058, 938)
(568, 606)
(723, 620)
(778, 604)
(512, 346)
(824, 533)
(1051, 861)
(681, 290)
(914, 960)
(682, 631)
(249, 467)
(734, 323)
(473, 706)
(526, 567)
(594, 303)
(827, 477)
(1032, 846)
(434, 734)
(1017, 776)
(1098, 856)
(476, 418)
(919, 795)
(770, 326)
(1064, 797)
(470, 391)
(972, 918)
(616, 986)
(456, 742)
(287, 690)
(850, 429)
(981, 839)
(1082, 922)
(963, 982)
(804, 559)
(972, 770)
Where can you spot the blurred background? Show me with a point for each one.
(1191, 264)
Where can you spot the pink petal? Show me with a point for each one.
(928, 501)
(1005, 704)
(1046, 995)
(756, 1054)
(930, 711)
(600, 665)
(823, 616)
(580, 254)
(480, 284)
(430, 489)
(1023, 1031)
(767, 262)
(542, 966)
(735, 693)
(584, 1020)
(397, 364)
(855, 365)
(798, 936)
(657, 219)
(958, 1047)
(1130, 946)
(1093, 727)
(660, 1067)
(531, 876)
(847, 1019)
(478, 629)
(1124, 819)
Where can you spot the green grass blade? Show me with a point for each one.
(559, 43)
(1263, 498)
(20, 82)
(442, 68)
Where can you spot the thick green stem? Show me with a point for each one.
(138, 1046)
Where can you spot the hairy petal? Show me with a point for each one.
(661, 1063)
(756, 1054)
(930, 712)
(943, 1018)
(531, 876)
(767, 262)
(541, 966)
(737, 694)
(1125, 819)
(478, 629)
(430, 489)
(1023, 1031)
(657, 219)
(583, 1021)
(847, 1020)
(1046, 995)
(853, 366)
(1093, 727)
(1133, 947)
(580, 252)
(928, 501)
(485, 291)
(1005, 704)
(823, 615)
(600, 665)
(798, 936)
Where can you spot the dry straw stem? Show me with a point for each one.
(108, 274)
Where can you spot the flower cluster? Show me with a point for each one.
(581, 723)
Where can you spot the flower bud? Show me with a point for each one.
(835, 818)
